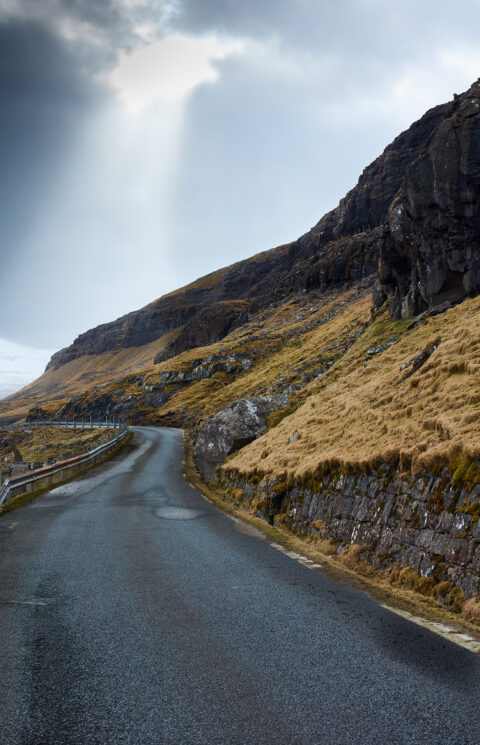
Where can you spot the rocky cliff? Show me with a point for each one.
(367, 204)
(430, 250)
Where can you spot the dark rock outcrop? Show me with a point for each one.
(37, 414)
(367, 204)
(411, 366)
(207, 327)
(430, 251)
(229, 430)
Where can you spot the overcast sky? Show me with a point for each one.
(145, 143)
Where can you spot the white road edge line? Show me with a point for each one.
(297, 557)
(458, 637)
(447, 632)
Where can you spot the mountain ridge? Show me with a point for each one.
(319, 258)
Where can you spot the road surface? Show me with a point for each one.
(133, 611)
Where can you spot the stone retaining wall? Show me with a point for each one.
(430, 523)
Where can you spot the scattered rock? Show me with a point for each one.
(415, 363)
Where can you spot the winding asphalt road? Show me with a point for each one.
(133, 611)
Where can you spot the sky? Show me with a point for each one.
(144, 143)
(19, 365)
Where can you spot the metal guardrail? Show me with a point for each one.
(80, 423)
(16, 483)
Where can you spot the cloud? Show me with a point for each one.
(43, 102)
(167, 69)
(96, 30)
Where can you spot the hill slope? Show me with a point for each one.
(190, 353)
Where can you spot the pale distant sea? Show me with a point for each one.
(20, 365)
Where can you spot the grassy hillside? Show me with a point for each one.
(279, 349)
(357, 390)
(405, 394)
(55, 387)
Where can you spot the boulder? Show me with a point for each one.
(231, 429)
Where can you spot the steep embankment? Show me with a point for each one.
(405, 394)
(386, 455)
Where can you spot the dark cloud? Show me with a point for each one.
(36, 65)
(43, 99)
(96, 29)
(44, 102)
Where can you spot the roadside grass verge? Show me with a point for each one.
(397, 586)
(45, 443)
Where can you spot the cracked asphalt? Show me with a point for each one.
(133, 611)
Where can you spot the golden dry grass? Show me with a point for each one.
(278, 342)
(471, 610)
(368, 413)
(280, 346)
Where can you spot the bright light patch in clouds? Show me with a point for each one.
(166, 70)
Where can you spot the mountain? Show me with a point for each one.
(342, 248)
(339, 253)
(430, 249)
(330, 385)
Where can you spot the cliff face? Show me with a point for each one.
(367, 204)
(430, 249)
(340, 250)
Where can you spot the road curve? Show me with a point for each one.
(133, 611)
